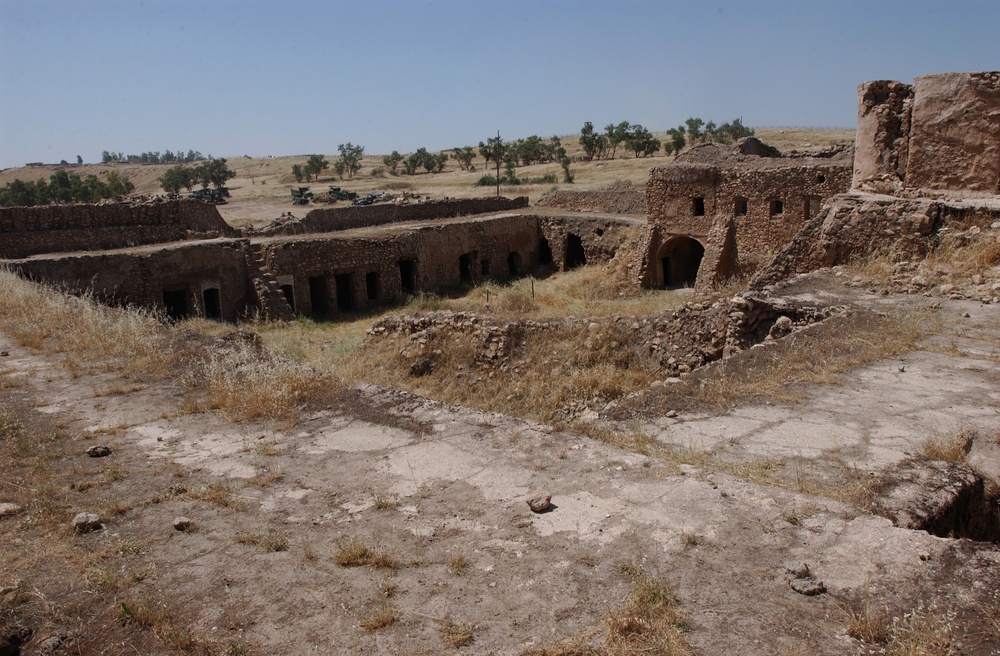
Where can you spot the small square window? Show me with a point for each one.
(777, 207)
(740, 207)
(698, 206)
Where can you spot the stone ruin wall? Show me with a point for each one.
(141, 277)
(940, 134)
(26, 231)
(435, 253)
(332, 219)
(622, 199)
(759, 231)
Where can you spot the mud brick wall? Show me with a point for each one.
(28, 231)
(142, 276)
(345, 218)
(321, 269)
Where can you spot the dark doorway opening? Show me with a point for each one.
(408, 276)
(373, 285)
(544, 252)
(465, 267)
(812, 205)
(175, 303)
(484, 268)
(679, 261)
(575, 255)
(289, 292)
(345, 298)
(319, 297)
(212, 301)
(514, 264)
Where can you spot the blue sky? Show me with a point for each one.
(231, 77)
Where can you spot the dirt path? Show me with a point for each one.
(447, 504)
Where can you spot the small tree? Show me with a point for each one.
(567, 176)
(677, 139)
(694, 129)
(351, 156)
(298, 172)
(464, 157)
(339, 167)
(314, 165)
(392, 161)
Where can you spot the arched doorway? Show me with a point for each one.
(677, 262)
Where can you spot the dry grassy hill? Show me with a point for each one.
(262, 186)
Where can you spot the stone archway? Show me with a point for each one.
(677, 262)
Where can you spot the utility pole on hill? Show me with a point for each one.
(498, 163)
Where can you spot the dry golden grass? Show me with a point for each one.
(384, 616)
(268, 542)
(650, 622)
(357, 554)
(920, 632)
(455, 635)
(130, 339)
(817, 356)
(870, 624)
(950, 448)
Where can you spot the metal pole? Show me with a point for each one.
(498, 163)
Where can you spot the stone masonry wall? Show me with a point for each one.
(140, 277)
(768, 204)
(332, 219)
(955, 133)
(28, 231)
(882, 139)
(942, 134)
(440, 257)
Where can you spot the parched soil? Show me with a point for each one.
(399, 525)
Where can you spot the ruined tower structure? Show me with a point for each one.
(938, 137)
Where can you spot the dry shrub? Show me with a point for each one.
(57, 322)
(920, 632)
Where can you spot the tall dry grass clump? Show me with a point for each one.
(53, 321)
(243, 382)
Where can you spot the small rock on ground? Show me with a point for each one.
(8, 509)
(183, 523)
(86, 522)
(98, 451)
(540, 502)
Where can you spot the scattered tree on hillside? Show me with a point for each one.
(464, 157)
(594, 145)
(298, 172)
(641, 141)
(616, 134)
(493, 150)
(79, 160)
(567, 176)
(677, 140)
(315, 165)
(422, 158)
(64, 187)
(214, 172)
(392, 161)
(152, 157)
(350, 156)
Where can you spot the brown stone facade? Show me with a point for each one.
(939, 135)
(744, 212)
